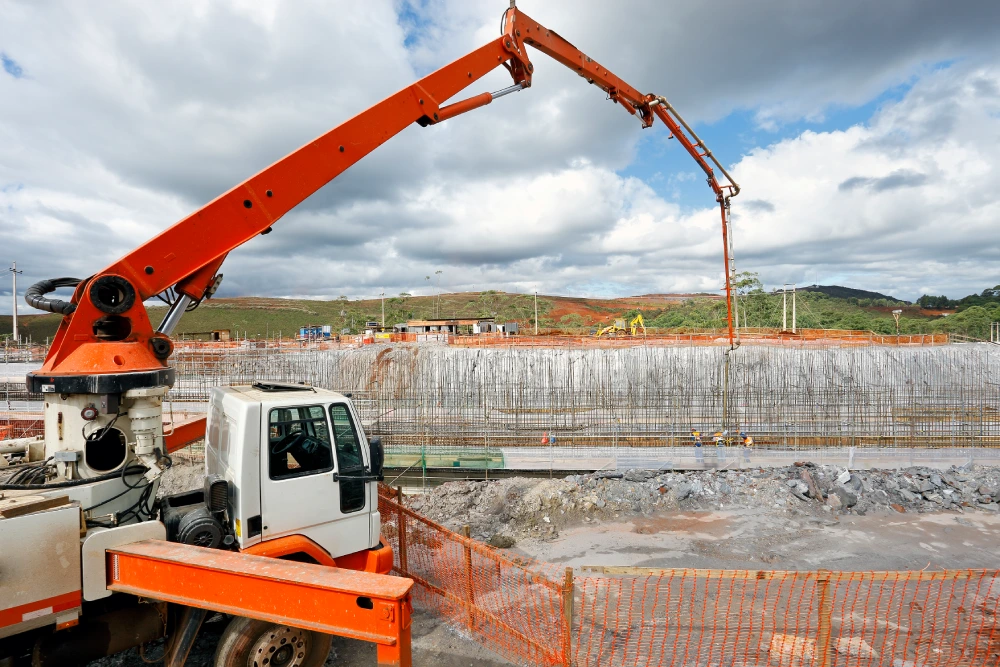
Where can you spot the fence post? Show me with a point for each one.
(825, 605)
(401, 525)
(470, 595)
(568, 617)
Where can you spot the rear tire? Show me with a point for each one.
(250, 643)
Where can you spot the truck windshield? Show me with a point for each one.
(298, 442)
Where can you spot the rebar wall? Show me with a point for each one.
(638, 396)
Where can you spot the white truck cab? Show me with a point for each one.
(296, 462)
(281, 461)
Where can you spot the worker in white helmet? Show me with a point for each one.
(747, 445)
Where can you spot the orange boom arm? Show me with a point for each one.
(106, 330)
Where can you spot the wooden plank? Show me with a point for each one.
(12, 507)
(824, 607)
(568, 617)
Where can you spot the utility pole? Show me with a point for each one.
(784, 307)
(13, 274)
(536, 312)
(383, 308)
(437, 307)
(794, 319)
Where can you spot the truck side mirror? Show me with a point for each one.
(377, 456)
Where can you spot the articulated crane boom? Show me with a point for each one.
(106, 340)
(289, 470)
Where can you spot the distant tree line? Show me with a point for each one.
(987, 297)
(816, 310)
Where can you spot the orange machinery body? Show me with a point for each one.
(361, 605)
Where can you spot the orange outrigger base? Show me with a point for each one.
(361, 605)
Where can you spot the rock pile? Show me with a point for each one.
(504, 511)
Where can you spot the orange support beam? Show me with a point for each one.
(184, 433)
(361, 605)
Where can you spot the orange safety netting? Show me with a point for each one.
(18, 424)
(789, 619)
(748, 336)
(538, 614)
(514, 607)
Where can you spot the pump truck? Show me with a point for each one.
(284, 537)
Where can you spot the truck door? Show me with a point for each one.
(351, 468)
(298, 492)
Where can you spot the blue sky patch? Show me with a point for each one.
(675, 176)
(412, 18)
(10, 66)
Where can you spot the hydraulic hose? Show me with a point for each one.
(131, 470)
(35, 295)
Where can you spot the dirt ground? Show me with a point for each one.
(755, 539)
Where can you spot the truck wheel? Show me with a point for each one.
(250, 643)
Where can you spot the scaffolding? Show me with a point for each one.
(639, 396)
(435, 399)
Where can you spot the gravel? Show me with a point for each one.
(503, 512)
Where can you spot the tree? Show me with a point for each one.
(747, 282)
(489, 303)
(572, 321)
(756, 308)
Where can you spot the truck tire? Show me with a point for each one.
(249, 643)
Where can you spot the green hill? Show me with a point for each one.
(849, 292)
(260, 317)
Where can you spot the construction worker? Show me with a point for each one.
(747, 446)
(545, 438)
(720, 443)
(696, 437)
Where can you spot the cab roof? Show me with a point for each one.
(274, 392)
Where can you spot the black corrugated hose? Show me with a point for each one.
(35, 295)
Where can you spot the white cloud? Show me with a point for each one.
(888, 204)
(128, 117)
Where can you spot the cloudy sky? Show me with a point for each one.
(865, 135)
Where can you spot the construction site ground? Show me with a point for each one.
(789, 518)
(797, 517)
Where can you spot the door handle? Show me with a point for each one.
(363, 478)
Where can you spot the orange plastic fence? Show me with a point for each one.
(804, 338)
(15, 424)
(789, 619)
(516, 608)
(538, 614)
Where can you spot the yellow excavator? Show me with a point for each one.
(619, 328)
